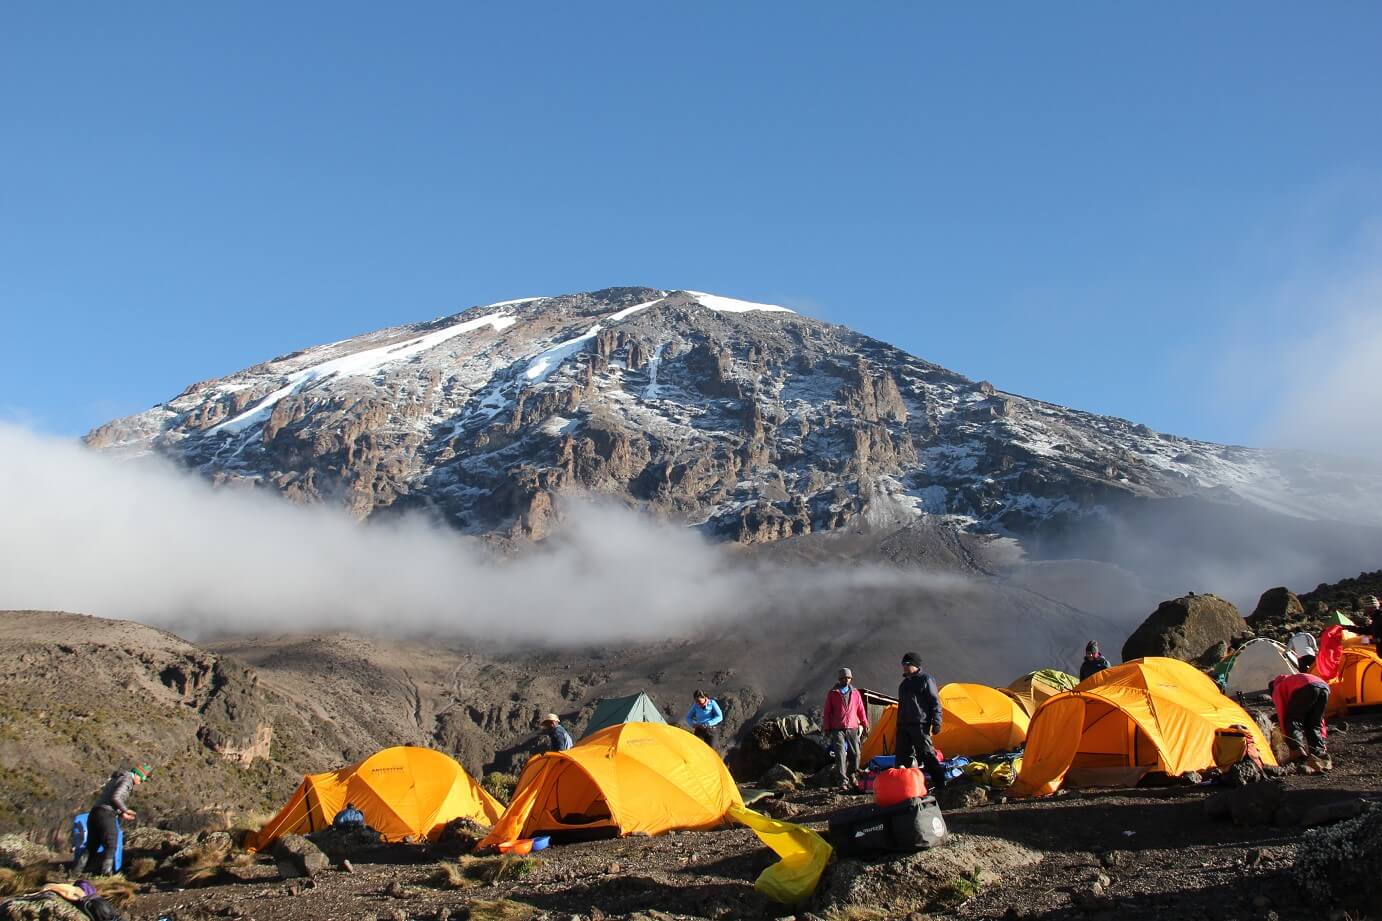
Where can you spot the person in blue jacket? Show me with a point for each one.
(704, 716)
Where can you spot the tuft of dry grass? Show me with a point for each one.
(141, 868)
(500, 910)
(855, 913)
(29, 879)
(450, 876)
(490, 870)
(116, 890)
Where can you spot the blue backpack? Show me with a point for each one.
(79, 841)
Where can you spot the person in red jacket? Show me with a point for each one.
(1300, 703)
(844, 720)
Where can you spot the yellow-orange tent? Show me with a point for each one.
(1359, 682)
(631, 778)
(1151, 714)
(1035, 688)
(403, 792)
(975, 720)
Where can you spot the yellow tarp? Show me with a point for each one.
(1359, 682)
(404, 793)
(1151, 714)
(637, 778)
(976, 720)
(804, 854)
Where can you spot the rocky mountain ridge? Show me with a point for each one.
(747, 420)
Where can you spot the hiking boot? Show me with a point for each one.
(1325, 763)
(108, 866)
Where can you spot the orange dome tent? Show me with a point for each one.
(1359, 681)
(630, 778)
(976, 720)
(1146, 715)
(404, 793)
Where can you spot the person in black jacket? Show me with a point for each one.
(918, 718)
(103, 821)
(1093, 662)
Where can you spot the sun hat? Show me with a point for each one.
(551, 718)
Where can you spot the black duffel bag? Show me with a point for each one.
(912, 825)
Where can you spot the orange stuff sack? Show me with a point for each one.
(897, 785)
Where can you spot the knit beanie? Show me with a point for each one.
(143, 772)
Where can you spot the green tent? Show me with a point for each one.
(1339, 618)
(637, 708)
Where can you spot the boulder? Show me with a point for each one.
(18, 852)
(962, 794)
(1187, 628)
(1341, 864)
(1337, 811)
(1277, 607)
(779, 773)
(793, 741)
(1255, 804)
(298, 857)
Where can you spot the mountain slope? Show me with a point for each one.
(748, 420)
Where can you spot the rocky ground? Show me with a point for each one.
(1126, 854)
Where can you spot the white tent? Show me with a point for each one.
(1255, 664)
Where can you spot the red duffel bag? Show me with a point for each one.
(897, 785)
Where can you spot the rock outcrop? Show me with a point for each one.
(1189, 628)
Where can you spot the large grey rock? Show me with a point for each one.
(298, 857)
(18, 852)
(1255, 804)
(1276, 607)
(1187, 628)
(779, 773)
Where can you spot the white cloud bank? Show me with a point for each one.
(140, 540)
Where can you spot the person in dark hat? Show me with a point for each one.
(103, 820)
(918, 718)
(1094, 662)
(844, 719)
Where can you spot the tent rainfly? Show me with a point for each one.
(1359, 681)
(1153, 714)
(631, 778)
(976, 720)
(404, 792)
(636, 708)
(1255, 663)
(1035, 688)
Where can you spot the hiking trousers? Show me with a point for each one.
(706, 734)
(102, 837)
(913, 743)
(1305, 720)
(845, 742)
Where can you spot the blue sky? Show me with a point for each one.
(1134, 210)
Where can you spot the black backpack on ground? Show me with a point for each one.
(912, 825)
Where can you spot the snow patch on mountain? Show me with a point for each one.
(732, 305)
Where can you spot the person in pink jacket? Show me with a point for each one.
(844, 720)
(1300, 704)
